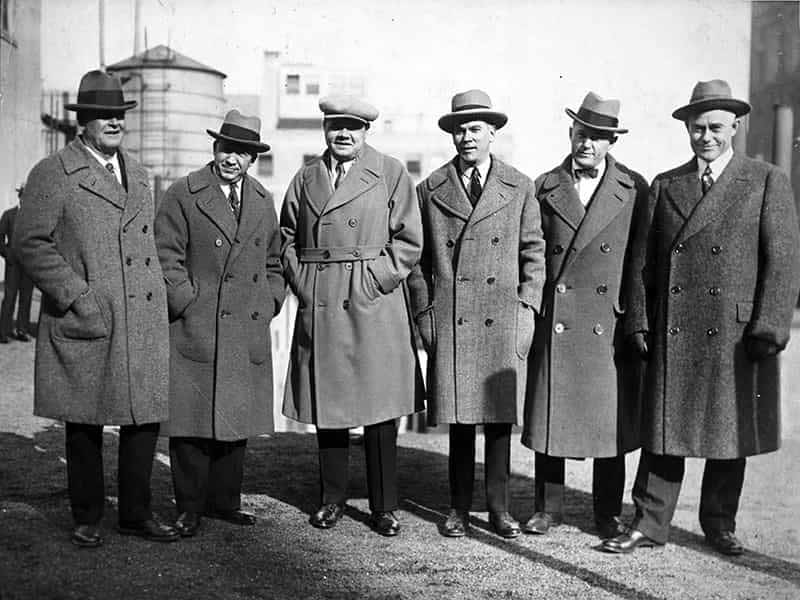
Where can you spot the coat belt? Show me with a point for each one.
(333, 254)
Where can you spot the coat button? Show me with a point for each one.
(495, 241)
(676, 289)
(602, 289)
(228, 276)
(352, 222)
(356, 252)
(488, 322)
(348, 266)
(605, 248)
(255, 276)
(129, 261)
(561, 288)
(321, 267)
(716, 249)
(149, 296)
(254, 316)
(218, 242)
(490, 280)
(224, 314)
(674, 330)
(714, 291)
(558, 249)
(559, 328)
(147, 261)
(449, 243)
(598, 329)
(326, 254)
(144, 229)
(461, 320)
(258, 241)
(712, 331)
(346, 304)
(679, 248)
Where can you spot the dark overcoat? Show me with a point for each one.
(711, 270)
(79, 231)
(346, 255)
(478, 282)
(7, 250)
(224, 285)
(583, 388)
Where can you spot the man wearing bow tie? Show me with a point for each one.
(582, 398)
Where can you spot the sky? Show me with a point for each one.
(534, 57)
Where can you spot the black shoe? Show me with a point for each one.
(504, 525)
(456, 523)
(149, 529)
(610, 527)
(384, 523)
(21, 336)
(3, 339)
(628, 542)
(86, 536)
(237, 517)
(187, 524)
(327, 516)
(541, 522)
(725, 542)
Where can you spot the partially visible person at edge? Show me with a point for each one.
(84, 234)
(16, 283)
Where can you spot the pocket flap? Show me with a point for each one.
(744, 310)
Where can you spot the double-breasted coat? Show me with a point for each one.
(79, 232)
(583, 388)
(346, 255)
(711, 270)
(478, 284)
(224, 285)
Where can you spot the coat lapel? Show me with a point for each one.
(317, 185)
(558, 191)
(448, 193)
(95, 179)
(499, 190)
(254, 209)
(683, 191)
(138, 184)
(363, 175)
(212, 202)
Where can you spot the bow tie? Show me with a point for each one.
(590, 173)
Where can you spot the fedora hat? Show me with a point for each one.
(711, 95)
(242, 130)
(598, 113)
(472, 105)
(100, 91)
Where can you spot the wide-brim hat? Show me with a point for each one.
(241, 129)
(343, 106)
(598, 113)
(711, 95)
(100, 91)
(472, 105)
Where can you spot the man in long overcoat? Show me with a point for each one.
(717, 267)
(351, 233)
(474, 295)
(582, 398)
(16, 284)
(84, 234)
(219, 245)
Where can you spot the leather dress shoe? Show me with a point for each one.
(384, 523)
(541, 522)
(456, 523)
(237, 516)
(628, 542)
(149, 529)
(86, 536)
(3, 339)
(725, 542)
(610, 527)
(21, 336)
(327, 515)
(504, 525)
(188, 524)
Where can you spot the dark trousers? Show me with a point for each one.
(207, 474)
(380, 450)
(658, 484)
(84, 445)
(608, 485)
(497, 465)
(16, 283)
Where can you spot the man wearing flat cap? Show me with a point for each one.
(717, 271)
(351, 233)
(474, 294)
(84, 234)
(583, 394)
(219, 245)
(16, 284)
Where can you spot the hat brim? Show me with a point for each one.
(346, 116)
(493, 117)
(572, 114)
(257, 147)
(737, 107)
(125, 106)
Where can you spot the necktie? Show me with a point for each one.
(707, 180)
(475, 188)
(590, 173)
(339, 175)
(234, 202)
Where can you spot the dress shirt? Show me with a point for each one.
(717, 165)
(114, 160)
(226, 188)
(332, 162)
(586, 186)
(465, 171)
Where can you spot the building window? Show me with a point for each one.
(307, 158)
(312, 88)
(293, 84)
(414, 166)
(266, 166)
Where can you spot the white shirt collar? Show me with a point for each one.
(483, 170)
(114, 160)
(717, 165)
(332, 168)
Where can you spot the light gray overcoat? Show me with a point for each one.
(477, 285)
(79, 232)
(710, 270)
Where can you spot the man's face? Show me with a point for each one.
(231, 160)
(344, 137)
(104, 131)
(589, 146)
(472, 141)
(711, 133)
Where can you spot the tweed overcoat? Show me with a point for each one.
(224, 285)
(478, 283)
(346, 255)
(583, 387)
(710, 270)
(79, 232)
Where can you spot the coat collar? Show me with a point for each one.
(211, 201)
(558, 191)
(363, 175)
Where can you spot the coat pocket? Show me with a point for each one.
(525, 326)
(85, 320)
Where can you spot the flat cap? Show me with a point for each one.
(348, 106)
